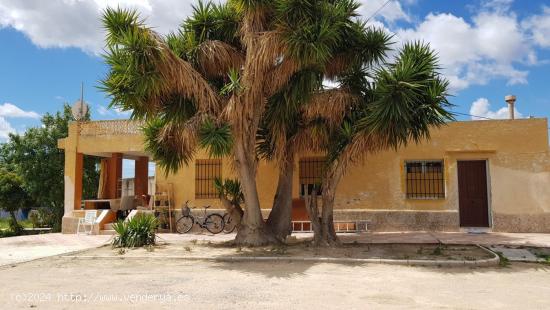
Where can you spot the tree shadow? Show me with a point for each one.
(271, 269)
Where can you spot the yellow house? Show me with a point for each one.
(492, 174)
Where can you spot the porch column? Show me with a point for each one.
(114, 176)
(73, 171)
(141, 179)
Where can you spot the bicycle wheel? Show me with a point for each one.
(229, 223)
(184, 224)
(214, 223)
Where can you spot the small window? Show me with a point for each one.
(310, 173)
(206, 171)
(425, 180)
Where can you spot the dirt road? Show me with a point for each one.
(61, 283)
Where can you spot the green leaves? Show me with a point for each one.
(234, 84)
(211, 21)
(12, 194)
(409, 98)
(315, 30)
(137, 232)
(216, 139)
(162, 142)
(35, 157)
(118, 22)
(230, 189)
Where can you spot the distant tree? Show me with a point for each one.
(13, 197)
(35, 157)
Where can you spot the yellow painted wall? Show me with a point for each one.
(518, 163)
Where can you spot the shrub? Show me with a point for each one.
(15, 227)
(34, 217)
(49, 217)
(137, 232)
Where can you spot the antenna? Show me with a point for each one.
(80, 108)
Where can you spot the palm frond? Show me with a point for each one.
(216, 139)
(216, 58)
(172, 144)
(331, 105)
(144, 69)
(410, 98)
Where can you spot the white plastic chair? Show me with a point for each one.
(87, 220)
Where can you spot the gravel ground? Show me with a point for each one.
(61, 283)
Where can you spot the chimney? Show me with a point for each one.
(511, 100)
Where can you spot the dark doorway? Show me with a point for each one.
(472, 193)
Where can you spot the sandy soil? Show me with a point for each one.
(60, 283)
(196, 248)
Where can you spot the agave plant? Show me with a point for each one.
(137, 232)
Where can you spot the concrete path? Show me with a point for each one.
(26, 248)
(523, 239)
(515, 255)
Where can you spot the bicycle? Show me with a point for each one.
(229, 223)
(214, 222)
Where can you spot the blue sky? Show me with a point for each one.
(488, 48)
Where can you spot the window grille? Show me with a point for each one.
(206, 171)
(425, 180)
(310, 173)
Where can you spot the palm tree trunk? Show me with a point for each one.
(328, 234)
(252, 231)
(313, 212)
(280, 221)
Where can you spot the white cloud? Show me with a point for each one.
(473, 53)
(481, 109)
(76, 23)
(5, 129)
(500, 6)
(10, 110)
(390, 12)
(116, 112)
(539, 27)
(103, 110)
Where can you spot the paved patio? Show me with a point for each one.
(26, 248)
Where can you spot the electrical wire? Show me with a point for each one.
(377, 11)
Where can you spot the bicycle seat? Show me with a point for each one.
(206, 207)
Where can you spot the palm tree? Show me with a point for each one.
(220, 68)
(243, 79)
(281, 123)
(399, 103)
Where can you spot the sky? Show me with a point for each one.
(487, 49)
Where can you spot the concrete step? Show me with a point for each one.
(107, 232)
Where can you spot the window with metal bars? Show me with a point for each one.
(425, 179)
(206, 171)
(310, 173)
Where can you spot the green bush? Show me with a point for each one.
(137, 232)
(34, 217)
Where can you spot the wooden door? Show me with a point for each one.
(472, 193)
